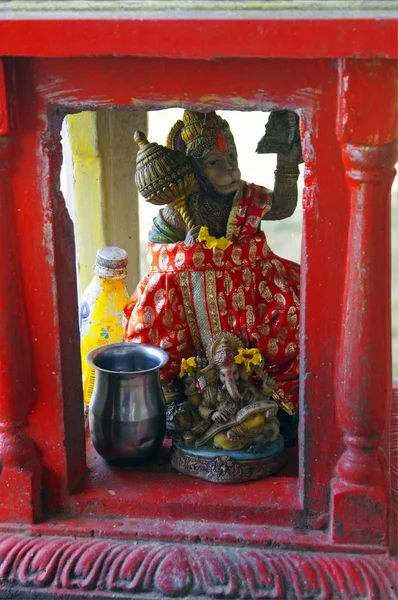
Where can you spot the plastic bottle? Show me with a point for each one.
(101, 311)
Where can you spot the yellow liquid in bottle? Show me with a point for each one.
(101, 321)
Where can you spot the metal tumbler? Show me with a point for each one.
(127, 412)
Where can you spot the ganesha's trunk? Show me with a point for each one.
(230, 385)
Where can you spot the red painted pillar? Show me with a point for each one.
(20, 471)
(363, 371)
(393, 452)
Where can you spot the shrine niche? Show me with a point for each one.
(70, 524)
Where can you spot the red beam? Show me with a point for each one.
(302, 38)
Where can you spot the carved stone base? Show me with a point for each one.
(67, 567)
(220, 466)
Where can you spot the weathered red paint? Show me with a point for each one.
(20, 479)
(330, 510)
(4, 120)
(392, 449)
(126, 569)
(201, 38)
(360, 491)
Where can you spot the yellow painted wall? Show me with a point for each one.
(106, 199)
(89, 195)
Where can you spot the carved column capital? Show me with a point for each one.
(370, 164)
(367, 101)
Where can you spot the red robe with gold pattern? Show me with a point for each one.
(191, 293)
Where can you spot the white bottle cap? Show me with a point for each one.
(111, 262)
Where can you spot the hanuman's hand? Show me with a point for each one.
(293, 158)
(192, 235)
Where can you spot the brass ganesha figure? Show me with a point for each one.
(224, 407)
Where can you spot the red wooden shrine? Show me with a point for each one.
(69, 525)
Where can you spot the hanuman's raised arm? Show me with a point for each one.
(283, 137)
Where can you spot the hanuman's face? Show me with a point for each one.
(221, 169)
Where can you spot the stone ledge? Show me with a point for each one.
(203, 9)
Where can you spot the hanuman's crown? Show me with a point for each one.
(198, 133)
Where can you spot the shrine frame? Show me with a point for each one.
(339, 503)
(52, 99)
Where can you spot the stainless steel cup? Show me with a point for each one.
(127, 412)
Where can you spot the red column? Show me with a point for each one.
(363, 367)
(393, 452)
(20, 471)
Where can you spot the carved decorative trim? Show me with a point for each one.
(224, 469)
(202, 8)
(84, 566)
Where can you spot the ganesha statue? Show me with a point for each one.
(224, 407)
(215, 291)
(230, 412)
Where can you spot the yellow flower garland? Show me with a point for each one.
(248, 356)
(187, 366)
(211, 241)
